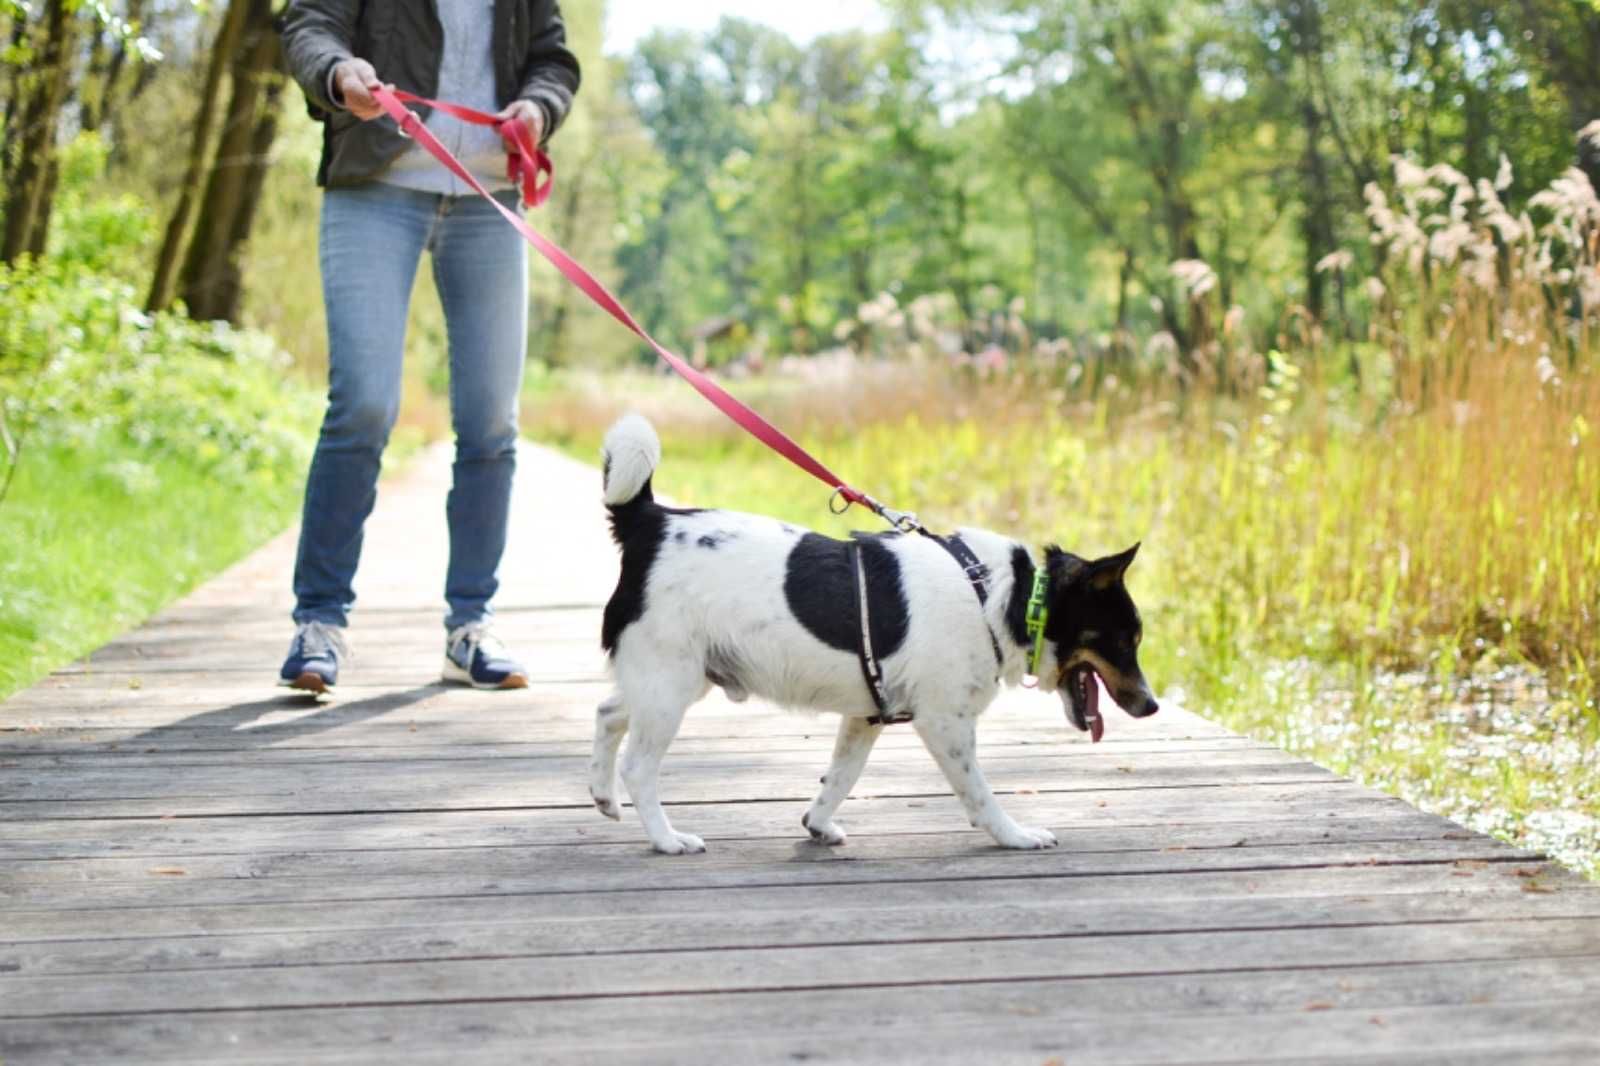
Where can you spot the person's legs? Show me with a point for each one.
(480, 266)
(371, 240)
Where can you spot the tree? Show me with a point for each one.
(210, 281)
(163, 285)
(33, 114)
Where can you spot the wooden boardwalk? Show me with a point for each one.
(194, 868)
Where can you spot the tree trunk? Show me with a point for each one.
(172, 243)
(31, 138)
(210, 281)
(39, 234)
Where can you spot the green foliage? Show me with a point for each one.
(141, 453)
(1074, 153)
(80, 366)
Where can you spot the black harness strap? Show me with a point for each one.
(976, 573)
(871, 668)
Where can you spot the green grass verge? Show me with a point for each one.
(94, 542)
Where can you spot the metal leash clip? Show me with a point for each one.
(901, 521)
(904, 521)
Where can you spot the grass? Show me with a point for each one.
(92, 542)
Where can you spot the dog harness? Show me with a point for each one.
(871, 668)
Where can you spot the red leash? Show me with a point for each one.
(526, 166)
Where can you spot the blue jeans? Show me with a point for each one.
(371, 240)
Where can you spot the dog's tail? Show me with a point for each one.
(631, 452)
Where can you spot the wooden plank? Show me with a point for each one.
(1460, 1011)
(71, 757)
(490, 904)
(812, 916)
(181, 908)
(555, 778)
(796, 968)
(678, 786)
(1178, 810)
(394, 841)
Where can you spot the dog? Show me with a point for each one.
(759, 607)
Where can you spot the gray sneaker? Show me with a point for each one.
(474, 656)
(315, 654)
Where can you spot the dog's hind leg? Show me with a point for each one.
(653, 720)
(610, 726)
(953, 742)
(850, 751)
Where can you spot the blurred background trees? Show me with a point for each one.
(753, 192)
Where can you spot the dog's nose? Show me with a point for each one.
(1150, 707)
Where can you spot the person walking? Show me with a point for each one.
(385, 202)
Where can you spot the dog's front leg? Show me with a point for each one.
(850, 753)
(953, 742)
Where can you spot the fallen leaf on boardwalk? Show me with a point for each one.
(1320, 1004)
(1100, 803)
(1375, 1020)
(1526, 871)
(1125, 769)
(1027, 792)
(1470, 864)
(168, 871)
(1054, 1062)
(1462, 873)
(135, 683)
(411, 728)
(1178, 847)
(1534, 886)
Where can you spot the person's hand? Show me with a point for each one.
(354, 80)
(529, 114)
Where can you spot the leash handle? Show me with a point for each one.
(745, 417)
(526, 166)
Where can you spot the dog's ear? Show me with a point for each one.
(1109, 572)
(1064, 568)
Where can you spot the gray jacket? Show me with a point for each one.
(404, 40)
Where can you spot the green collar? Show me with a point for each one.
(1038, 615)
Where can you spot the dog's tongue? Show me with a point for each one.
(1097, 724)
(1084, 680)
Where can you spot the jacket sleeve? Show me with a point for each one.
(550, 74)
(317, 35)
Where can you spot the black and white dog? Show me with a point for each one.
(759, 607)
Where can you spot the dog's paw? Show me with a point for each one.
(680, 844)
(1026, 838)
(831, 834)
(607, 806)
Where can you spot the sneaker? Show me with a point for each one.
(314, 657)
(473, 655)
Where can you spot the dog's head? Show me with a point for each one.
(1094, 628)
